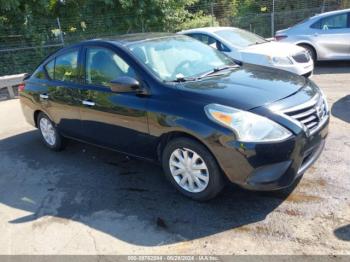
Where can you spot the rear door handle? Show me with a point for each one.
(44, 96)
(88, 103)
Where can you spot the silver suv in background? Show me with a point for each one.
(326, 36)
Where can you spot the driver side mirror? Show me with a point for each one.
(124, 84)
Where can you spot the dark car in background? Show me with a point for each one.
(175, 100)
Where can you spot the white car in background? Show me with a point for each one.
(246, 47)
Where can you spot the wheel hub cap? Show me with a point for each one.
(48, 131)
(189, 170)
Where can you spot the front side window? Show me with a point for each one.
(208, 40)
(104, 65)
(171, 58)
(50, 68)
(221, 47)
(66, 67)
(211, 41)
(333, 22)
(43, 71)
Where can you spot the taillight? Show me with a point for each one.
(21, 87)
(280, 37)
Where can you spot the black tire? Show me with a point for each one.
(59, 142)
(311, 51)
(216, 180)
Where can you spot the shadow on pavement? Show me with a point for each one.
(341, 108)
(126, 198)
(343, 233)
(332, 67)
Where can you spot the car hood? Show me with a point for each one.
(244, 88)
(273, 49)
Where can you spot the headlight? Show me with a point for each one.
(247, 126)
(276, 60)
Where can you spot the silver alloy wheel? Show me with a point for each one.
(189, 170)
(48, 131)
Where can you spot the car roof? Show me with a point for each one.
(331, 13)
(121, 40)
(211, 29)
(128, 39)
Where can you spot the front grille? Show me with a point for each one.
(309, 114)
(301, 57)
(310, 156)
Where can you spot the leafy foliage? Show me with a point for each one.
(32, 23)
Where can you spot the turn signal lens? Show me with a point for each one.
(21, 87)
(222, 117)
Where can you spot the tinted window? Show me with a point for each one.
(50, 67)
(40, 74)
(42, 71)
(104, 65)
(66, 67)
(211, 41)
(332, 22)
(220, 46)
(205, 39)
(316, 25)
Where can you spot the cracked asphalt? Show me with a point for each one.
(87, 200)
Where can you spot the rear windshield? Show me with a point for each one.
(240, 38)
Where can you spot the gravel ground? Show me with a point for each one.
(86, 200)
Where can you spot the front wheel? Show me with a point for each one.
(192, 169)
(49, 133)
(311, 52)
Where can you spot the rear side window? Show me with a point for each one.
(332, 22)
(66, 67)
(316, 25)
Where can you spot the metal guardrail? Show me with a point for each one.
(9, 83)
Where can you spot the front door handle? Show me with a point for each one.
(88, 103)
(44, 96)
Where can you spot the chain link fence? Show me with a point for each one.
(21, 52)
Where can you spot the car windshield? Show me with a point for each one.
(178, 57)
(240, 38)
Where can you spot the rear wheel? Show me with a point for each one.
(192, 169)
(49, 133)
(311, 52)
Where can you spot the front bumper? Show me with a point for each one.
(265, 167)
(303, 69)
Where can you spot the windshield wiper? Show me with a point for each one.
(259, 43)
(181, 79)
(217, 69)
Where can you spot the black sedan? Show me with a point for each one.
(172, 99)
